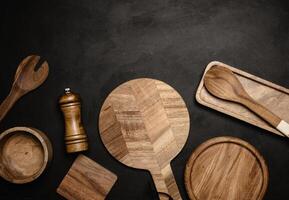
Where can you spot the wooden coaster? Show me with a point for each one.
(86, 180)
(144, 123)
(226, 168)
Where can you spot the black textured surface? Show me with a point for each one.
(93, 46)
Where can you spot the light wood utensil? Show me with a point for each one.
(272, 96)
(26, 79)
(86, 180)
(222, 83)
(144, 123)
(24, 154)
(226, 168)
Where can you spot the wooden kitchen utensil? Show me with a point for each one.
(144, 123)
(226, 168)
(222, 83)
(75, 136)
(272, 96)
(86, 180)
(25, 80)
(24, 154)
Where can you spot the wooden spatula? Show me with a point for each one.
(222, 83)
(26, 79)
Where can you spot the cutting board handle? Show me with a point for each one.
(166, 184)
(164, 196)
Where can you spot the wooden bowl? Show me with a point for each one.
(226, 168)
(24, 154)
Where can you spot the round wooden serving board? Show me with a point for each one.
(144, 123)
(226, 168)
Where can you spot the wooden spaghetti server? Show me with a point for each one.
(26, 79)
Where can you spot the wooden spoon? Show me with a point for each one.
(222, 83)
(26, 79)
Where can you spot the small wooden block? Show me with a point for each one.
(86, 180)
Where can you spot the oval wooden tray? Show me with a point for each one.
(270, 95)
(226, 168)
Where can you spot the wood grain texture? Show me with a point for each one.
(86, 180)
(24, 154)
(75, 136)
(270, 95)
(26, 80)
(144, 123)
(222, 83)
(226, 168)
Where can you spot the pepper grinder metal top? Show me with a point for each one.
(75, 136)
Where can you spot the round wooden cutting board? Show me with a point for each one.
(226, 168)
(144, 123)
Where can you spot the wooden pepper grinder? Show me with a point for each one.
(75, 137)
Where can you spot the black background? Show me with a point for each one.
(93, 46)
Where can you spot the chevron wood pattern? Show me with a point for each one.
(144, 123)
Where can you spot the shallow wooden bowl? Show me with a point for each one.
(226, 168)
(24, 154)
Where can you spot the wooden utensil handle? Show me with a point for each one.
(283, 127)
(166, 184)
(7, 104)
(267, 115)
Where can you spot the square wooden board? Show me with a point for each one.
(86, 180)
